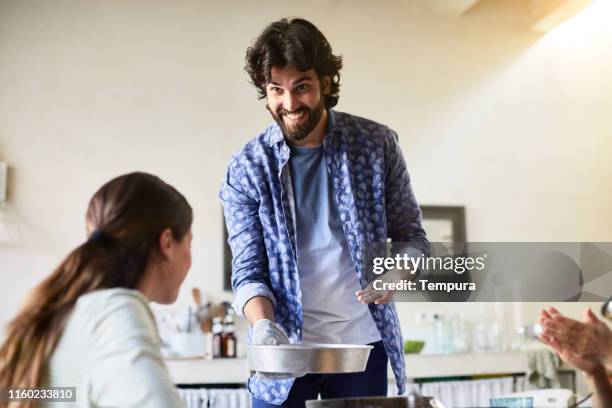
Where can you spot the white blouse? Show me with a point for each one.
(110, 351)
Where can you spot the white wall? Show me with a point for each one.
(491, 115)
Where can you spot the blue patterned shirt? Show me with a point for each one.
(375, 202)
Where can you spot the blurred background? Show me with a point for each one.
(502, 107)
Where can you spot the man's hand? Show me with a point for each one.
(380, 297)
(587, 346)
(266, 332)
(371, 295)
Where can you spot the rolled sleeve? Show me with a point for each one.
(413, 252)
(247, 292)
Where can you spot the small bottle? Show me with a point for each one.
(441, 334)
(459, 335)
(217, 334)
(228, 339)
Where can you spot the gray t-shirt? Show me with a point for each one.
(328, 280)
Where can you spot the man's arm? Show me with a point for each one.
(403, 213)
(403, 219)
(250, 281)
(257, 308)
(250, 275)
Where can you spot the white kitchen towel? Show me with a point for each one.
(192, 397)
(542, 369)
(229, 398)
(215, 398)
(468, 393)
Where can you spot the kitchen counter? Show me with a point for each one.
(465, 364)
(234, 370)
(199, 370)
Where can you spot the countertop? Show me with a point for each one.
(199, 370)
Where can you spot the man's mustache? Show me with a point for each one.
(298, 110)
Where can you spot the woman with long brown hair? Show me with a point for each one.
(88, 324)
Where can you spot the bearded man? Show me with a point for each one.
(301, 201)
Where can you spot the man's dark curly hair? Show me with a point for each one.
(293, 43)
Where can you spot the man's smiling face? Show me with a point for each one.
(296, 100)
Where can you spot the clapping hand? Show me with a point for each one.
(586, 345)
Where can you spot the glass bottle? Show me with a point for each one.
(217, 333)
(228, 338)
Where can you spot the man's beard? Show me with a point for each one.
(302, 130)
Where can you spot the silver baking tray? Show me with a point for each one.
(308, 358)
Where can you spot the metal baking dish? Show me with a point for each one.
(308, 358)
(411, 401)
(368, 402)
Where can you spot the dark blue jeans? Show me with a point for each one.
(370, 383)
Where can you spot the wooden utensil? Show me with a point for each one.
(197, 296)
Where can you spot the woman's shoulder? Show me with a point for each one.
(110, 297)
(116, 309)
